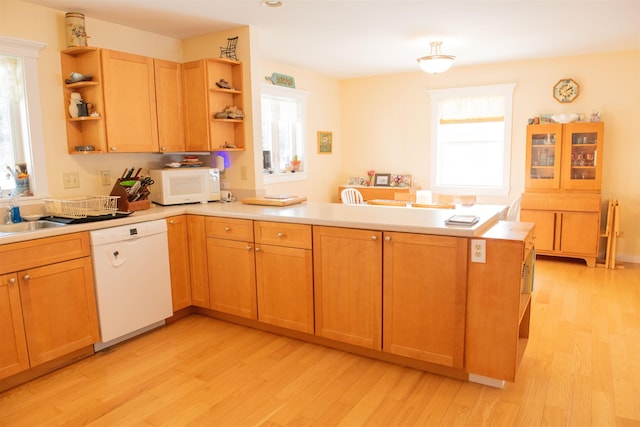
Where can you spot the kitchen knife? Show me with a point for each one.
(129, 173)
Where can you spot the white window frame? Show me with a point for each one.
(300, 97)
(436, 96)
(29, 51)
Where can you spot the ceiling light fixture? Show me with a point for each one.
(436, 62)
(272, 3)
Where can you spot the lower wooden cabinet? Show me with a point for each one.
(13, 350)
(177, 235)
(567, 225)
(198, 261)
(47, 301)
(59, 309)
(348, 285)
(425, 289)
(231, 266)
(284, 275)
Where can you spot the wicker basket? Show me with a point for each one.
(82, 207)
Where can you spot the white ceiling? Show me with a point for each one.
(353, 38)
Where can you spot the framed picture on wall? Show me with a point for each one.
(325, 142)
(382, 180)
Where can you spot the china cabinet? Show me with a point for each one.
(210, 87)
(562, 188)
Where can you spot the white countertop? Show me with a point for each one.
(382, 218)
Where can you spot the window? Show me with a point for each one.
(471, 140)
(21, 141)
(283, 133)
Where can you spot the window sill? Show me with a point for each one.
(277, 178)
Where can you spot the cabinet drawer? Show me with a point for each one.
(561, 202)
(50, 250)
(283, 234)
(229, 228)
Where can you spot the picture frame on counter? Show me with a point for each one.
(382, 180)
(325, 142)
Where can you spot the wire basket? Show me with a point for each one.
(82, 207)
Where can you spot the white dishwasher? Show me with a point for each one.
(133, 285)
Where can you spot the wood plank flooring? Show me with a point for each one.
(581, 368)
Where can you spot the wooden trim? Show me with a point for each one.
(471, 120)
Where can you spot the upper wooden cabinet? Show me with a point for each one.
(130, 102)
(138, 101)
(204, 98)
(564, 156)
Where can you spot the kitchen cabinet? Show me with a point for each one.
(425, 287)
(562, 188)
(57, 296)
(231, 266)
(499, 301)
(178, 239)
(284, 275)
(347, 267)
(203, 99)
(169, 109)
(13, 352)
(89, 131)
(564, 156)
(198, 261)
(130, 102)
(567, 225)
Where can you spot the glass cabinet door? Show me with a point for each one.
(582, 156)
(543, 156)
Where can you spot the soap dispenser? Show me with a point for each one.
(14, 209)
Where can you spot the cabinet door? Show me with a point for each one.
(130, 102)
(582, 156)
(347, 266)
(284, 278)
(179, 261)
(543, 157)
(195, 90)
(59, 308)
(580, 233)
(425, 281)
(169, 108)
(232, 277)
(545, 230)
(198, 261)
(13, 350)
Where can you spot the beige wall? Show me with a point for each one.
(386, 126)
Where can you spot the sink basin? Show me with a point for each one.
(22, 227)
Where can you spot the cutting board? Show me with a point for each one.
(274, 201)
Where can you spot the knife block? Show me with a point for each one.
(124, 205)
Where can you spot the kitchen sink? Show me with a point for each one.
(22, 227)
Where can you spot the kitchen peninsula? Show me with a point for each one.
(392, 283)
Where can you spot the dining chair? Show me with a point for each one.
(351, 196)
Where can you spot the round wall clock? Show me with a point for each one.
(566, 90)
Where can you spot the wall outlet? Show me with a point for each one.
(71, 179)
(479, 251)
(105, 177)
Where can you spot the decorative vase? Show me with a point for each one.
(76, 32)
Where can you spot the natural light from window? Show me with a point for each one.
(283, 134)
(471, 140)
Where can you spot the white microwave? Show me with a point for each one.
(176, 186)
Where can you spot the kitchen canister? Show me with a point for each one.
(76, 31)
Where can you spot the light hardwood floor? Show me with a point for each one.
(581, 368)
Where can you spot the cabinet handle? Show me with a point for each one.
(387, 239)
(164, 148)
(248, 247)
(280, 235)
(12, 280)
(257, 249)
(171, 221)
(26, 277)
(374, 237)
(227, 229)
(114, 149)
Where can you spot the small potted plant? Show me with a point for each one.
(295, 164)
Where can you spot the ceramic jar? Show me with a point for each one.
(76, 33)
